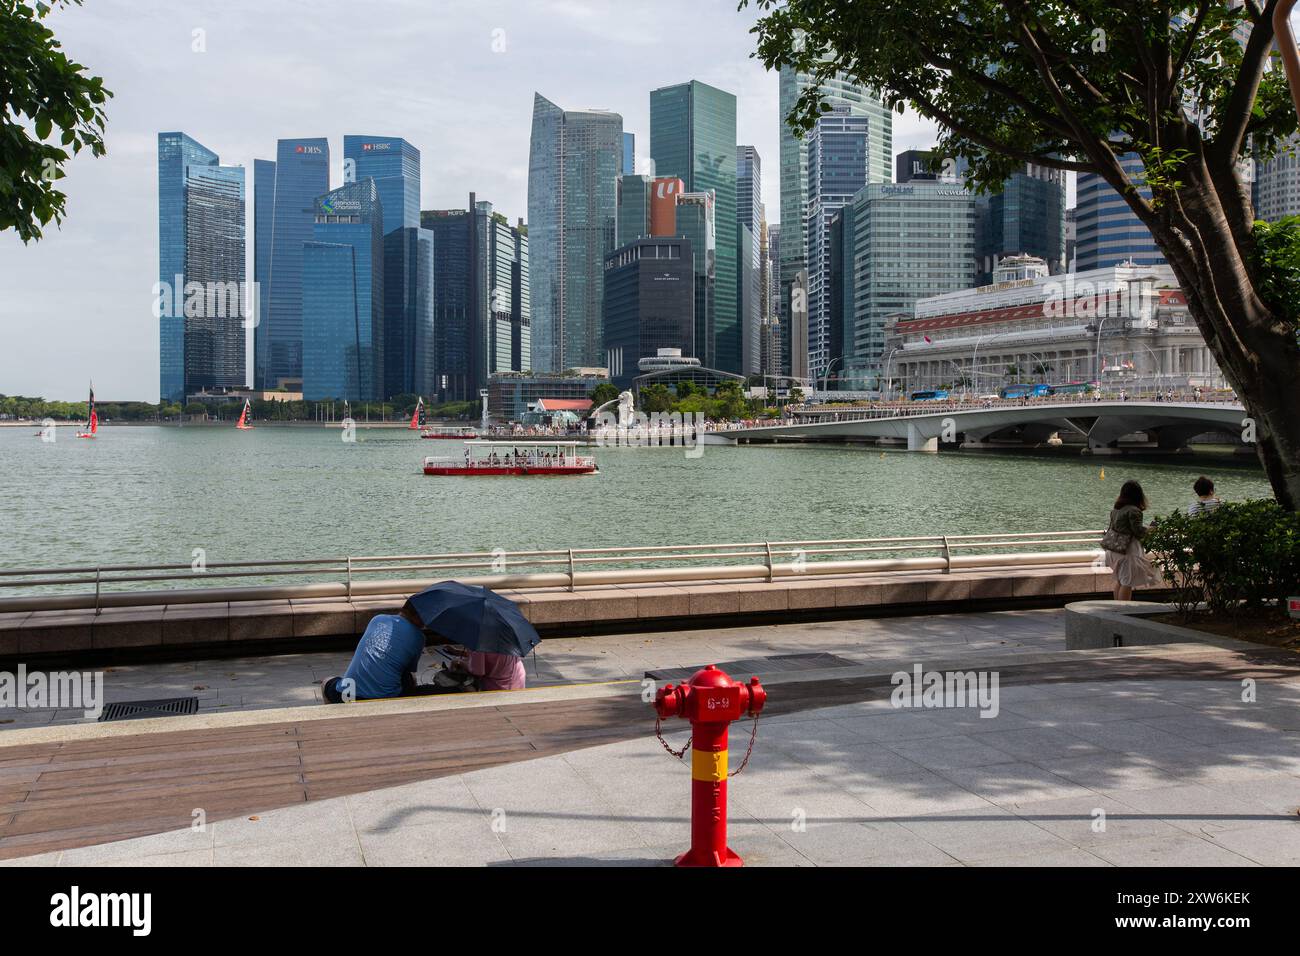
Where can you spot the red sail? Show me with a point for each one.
(415, 416)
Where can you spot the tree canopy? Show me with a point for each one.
(1190, 89)
(43, 94)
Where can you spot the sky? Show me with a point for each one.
(454, 77)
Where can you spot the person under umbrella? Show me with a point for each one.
(493, 632)
(385, 661)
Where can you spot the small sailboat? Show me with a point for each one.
(92, 420)
(242, 424)
(417, 418)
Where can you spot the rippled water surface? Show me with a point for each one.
(153, 494)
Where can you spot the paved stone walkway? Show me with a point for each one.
(252, 683)
(1158, 772)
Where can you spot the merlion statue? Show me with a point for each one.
(625, 409)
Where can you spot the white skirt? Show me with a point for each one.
(1133, 568)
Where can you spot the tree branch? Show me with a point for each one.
(1193, 32)
(951, 123)
(1231, 133)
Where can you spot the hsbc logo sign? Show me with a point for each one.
(376, 146)
(312, 150)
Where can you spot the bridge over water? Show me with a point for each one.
(1167, 425)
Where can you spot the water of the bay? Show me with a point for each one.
(141, 494)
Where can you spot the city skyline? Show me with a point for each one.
(109, 239)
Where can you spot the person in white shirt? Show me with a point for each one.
(1206, 500)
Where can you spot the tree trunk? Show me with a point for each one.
(1257, 351)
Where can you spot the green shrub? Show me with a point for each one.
(1239, 555)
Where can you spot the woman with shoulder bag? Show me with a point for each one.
(1122, 543)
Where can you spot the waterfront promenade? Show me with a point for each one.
(1108, 757)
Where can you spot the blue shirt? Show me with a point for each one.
(390, 648)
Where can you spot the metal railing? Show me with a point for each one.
(123, 585)
(822, 415)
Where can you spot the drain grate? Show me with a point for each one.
(136, 709)
(758, 666)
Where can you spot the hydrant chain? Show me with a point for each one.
(679, 754)
(753, 733)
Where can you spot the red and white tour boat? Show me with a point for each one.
(514, 458)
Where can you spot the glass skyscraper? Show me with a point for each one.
(482, 312)
(263, 228)
(750, 271)
(1277, 184)
(343, 296)
(693, 138)
(1108, 231)
(408, 313)
(697, 221)
(394, 165)
(909, 241)
(838, 167)
(633, 208)
(458, 287)
(301, 177)
(1027, 217)
(649, 303)
(509, 317)
(200, 240)
(629, 154)
(839, 90)
(574, 160)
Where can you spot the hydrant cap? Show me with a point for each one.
(711, 677)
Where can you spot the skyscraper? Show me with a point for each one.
(649, 303)
(263, 228)
(573, 163)
(1109, 232)
(913, 164)
(693, 138)
(459, 312)
(839, 90)
(838, 158)
(200, 240)
(1026, 218)
(409, 353)
(772, 337)
(750, 235)
(1277, 183)
(629, 154)
(696, 220)
(509, 317)
(633, 208)
(394, 165)
(301, 177)
(908, 241)
(343, 296)
(482, 312)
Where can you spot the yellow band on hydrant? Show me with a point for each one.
(710, 765)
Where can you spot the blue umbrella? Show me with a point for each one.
(475, 618)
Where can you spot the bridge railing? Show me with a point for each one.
(822, 416)
(127, 585)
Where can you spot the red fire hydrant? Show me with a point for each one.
(711, 701)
